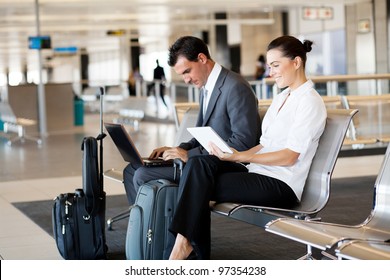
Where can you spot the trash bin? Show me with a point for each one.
(78, 112)
(1, 125)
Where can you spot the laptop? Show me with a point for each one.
(127, 149)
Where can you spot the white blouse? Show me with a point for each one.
(297, 126)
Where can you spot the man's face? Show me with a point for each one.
(193, 72)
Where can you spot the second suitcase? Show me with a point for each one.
(147, 236)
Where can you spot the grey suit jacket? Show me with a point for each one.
(232, 112)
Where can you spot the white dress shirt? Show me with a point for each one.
(209, 86)
(297, 126)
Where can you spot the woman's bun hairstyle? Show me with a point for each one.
(307, 45)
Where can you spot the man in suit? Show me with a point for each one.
(158, 74)
(230, 108)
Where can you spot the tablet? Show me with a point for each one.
(205, 135)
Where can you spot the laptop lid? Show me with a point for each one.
(127, 148)
(123, 142)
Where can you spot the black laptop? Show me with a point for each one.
(127, 149)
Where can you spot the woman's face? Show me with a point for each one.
(193, 72)
(282, 69)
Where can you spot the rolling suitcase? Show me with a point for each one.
(148, 237)
(79, 218)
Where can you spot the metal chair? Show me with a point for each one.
(364, 250)
(328, 236)
(117, 176)
(317, 187)
(16, 125)
(188, 120)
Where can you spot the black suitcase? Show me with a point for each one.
(79, 235)
(79, 218)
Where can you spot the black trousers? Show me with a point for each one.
(151, 88)
(207, 178)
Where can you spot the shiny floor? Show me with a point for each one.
(30, 173)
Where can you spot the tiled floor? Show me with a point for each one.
(30, 173)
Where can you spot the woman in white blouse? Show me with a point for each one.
(278, 166)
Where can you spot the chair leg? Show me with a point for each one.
(22, 137)
(308, 255)
(38, 140)
(328, 256)
(316, 254)
(120, 216)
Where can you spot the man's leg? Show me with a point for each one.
(134, 177)
(146, 174)
(162, 94)
(128, 175)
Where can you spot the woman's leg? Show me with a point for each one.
(192, 215)
(255, 189)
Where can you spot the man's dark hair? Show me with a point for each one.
(189, 47)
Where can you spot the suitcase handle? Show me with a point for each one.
(93, 184)
(101, 136)
(178, 166)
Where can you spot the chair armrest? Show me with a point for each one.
(114, 174)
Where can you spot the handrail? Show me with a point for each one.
(260, 86)
(341, 78)
(333, 80)
(264, 88)
(354, 138)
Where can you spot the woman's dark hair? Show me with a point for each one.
(291, 47)
(189, 47)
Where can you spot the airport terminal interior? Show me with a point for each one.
(57, 57)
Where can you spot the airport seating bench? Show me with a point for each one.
(317, 187)
(372, 124)
(330, 237)
(364, 250)
(132, 111)
(13, 124)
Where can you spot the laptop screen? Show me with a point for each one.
(124, 143)
(127, 148)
